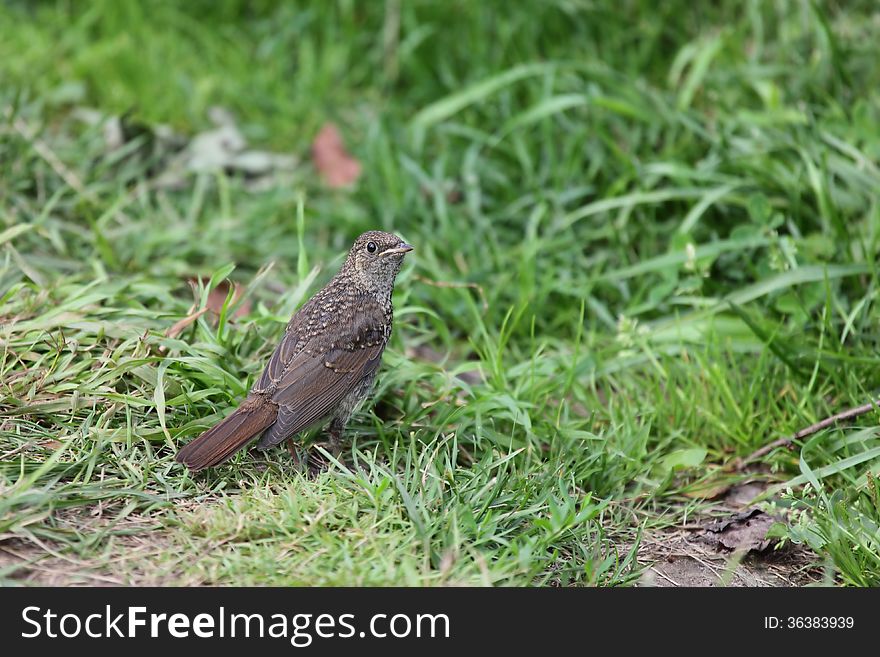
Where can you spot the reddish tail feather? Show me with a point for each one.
(224, 439)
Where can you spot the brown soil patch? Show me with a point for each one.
(680, 558)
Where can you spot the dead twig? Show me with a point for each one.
(665, 576)
(809, 431)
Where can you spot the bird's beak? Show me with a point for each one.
(403, 247)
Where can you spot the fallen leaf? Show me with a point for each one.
(744, 494)
(225, 149)
(212, 150)
(337, 168)
(217, 297)
(741, 532)
(177, 328)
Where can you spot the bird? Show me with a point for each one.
(323, 367)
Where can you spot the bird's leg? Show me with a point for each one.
(332, 444)
(296, 452)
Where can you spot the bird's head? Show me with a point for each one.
(375, 260)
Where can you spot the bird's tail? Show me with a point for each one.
(224, 439)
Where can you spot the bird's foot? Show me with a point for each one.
(317, 460)
(297, 454)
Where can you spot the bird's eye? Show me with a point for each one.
(371, 247)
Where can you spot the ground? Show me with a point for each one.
(645, 248)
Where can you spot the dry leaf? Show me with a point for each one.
(337, 168)
(742, 532)
(744, 494)
(178, 326)
(217, 297)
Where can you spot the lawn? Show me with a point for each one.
(646, 239)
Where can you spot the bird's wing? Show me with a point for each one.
(291, 344)
(311, 376)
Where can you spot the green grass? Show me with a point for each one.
(645, 247)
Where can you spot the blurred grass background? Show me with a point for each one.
(646, 238)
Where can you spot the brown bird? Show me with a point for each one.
(325, 364)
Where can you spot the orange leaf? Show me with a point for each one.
(177, 328)
(337, 168)
(217, 297)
